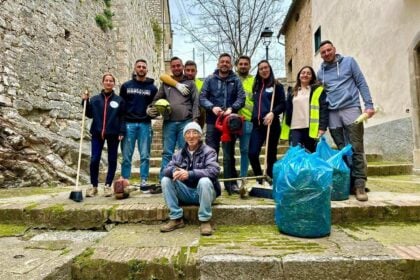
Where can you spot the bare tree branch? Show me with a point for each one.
(232, 26)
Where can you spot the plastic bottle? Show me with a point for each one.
(364, 116)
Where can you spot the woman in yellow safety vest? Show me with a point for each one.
(306, 115)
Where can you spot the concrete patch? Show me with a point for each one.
(240, 267)
(48, 255)
(141, 252)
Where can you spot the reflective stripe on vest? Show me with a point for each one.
(246, 111)
(314, 113)
(313, 117)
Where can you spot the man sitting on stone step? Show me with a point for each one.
(190, 178)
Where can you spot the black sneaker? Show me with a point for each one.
(155, 189)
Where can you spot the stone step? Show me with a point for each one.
(156, 161)
(139, 251)
(57, 211)
(357, 251)
(281, 150)
(377, 169)
(156, 149)
(392, 168)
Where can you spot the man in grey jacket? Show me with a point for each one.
(191, 178)
(344, 82)
(184, 109)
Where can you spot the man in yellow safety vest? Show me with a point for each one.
(243, 65)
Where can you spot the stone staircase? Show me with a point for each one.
(378, 239)
(104, 238)
(376, 165)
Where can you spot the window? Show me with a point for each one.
(290, 68)
(317, 39)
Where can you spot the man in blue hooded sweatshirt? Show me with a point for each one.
(344, 82)
(137, 93)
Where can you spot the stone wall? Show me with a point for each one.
(50, 51)
(298, 37)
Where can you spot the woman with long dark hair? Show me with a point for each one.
(306, 116)
(266, 111)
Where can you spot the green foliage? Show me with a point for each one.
(104, 20)
(157, 32)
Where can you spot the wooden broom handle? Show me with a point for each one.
(82, 128)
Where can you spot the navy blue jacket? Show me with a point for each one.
(262, 102)
(137, 96)
(112, 107)
(203, 163)
(223, 93)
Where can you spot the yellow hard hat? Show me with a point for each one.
(163, 106)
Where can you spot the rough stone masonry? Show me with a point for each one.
(50, 51)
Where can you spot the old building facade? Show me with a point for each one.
(384, 39)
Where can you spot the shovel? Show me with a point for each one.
(76, 194)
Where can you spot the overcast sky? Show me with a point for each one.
(185, 50)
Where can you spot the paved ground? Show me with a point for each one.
(138, 251)
(246, 243)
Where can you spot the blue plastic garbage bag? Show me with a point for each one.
(303, 196)
(324, 150)
(279, 166)
(341, 174)
(341, 171)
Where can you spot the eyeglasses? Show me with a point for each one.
(192, 132)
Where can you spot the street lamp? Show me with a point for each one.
(266, 35)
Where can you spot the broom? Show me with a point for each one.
(76, 194)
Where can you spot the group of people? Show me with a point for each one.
(190, 176)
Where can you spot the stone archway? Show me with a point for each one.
(415, 98)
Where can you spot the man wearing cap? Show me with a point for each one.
(183, 109)
(191, 178)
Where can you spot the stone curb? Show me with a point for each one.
(108, 264)
(79, 216)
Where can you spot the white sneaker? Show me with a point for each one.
(107, 191)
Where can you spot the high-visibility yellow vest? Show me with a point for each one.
(313, 117)
(198, 84)
(247, 84)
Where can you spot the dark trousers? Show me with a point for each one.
(301, 136)
(352, 134)
(213, 140)
(97, 146)
(258, 136)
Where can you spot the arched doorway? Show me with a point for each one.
(415, 99)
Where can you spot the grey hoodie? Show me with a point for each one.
(343, 81)
(183, 107)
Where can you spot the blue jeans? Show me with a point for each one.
(142, 133)
(244, 146)
(97, 146)
(172, 137)
(175, 192)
